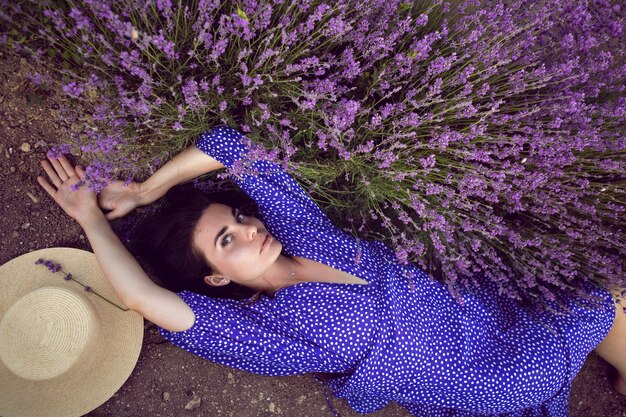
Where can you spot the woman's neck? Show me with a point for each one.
(286, 271)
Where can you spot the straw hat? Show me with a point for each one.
(63, 350)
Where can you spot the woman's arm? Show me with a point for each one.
(121, 270)
(132, 285)
(189, 164)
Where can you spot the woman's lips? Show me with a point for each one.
(266, 242)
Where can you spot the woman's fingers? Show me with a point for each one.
(69, 169)
(54, 177)
(59, 169)
(80, 172)
(46, 186)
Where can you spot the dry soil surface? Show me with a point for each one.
(166, 378)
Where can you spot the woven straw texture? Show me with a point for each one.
(63, 351)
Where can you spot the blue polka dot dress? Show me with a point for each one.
(401, 338)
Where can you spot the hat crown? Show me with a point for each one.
(47, 332)
(108, 345)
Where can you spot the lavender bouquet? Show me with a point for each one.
(480, 139)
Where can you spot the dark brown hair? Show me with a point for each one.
(164, 242)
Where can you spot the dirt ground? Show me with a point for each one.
(166, 378)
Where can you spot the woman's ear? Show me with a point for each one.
(216, 280)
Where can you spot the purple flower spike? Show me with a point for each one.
(87, 288)
(39, 261)
(67, 277)
(73, 89)
(52, 266)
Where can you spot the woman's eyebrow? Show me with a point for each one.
(233, 211)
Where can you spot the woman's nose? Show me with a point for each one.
(250, 231)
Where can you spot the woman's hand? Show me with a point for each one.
(120, 198)
(69, 190)
(131, 284)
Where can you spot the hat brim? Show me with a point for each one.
(105, 369)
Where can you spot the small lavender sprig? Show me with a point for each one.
(67, 276)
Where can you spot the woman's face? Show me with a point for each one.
(236, 246)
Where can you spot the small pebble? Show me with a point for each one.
(301, 399)
(272, 408)
(193, 403)
(166, 396)
(25, 147)
(32, 197)
(12, 169)
(25, 226)
(15, 234)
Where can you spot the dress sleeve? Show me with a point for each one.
(276, 193)
(285, 209)
(268, 336)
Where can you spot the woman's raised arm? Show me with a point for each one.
(129, 281)
(188, 164)
(136, 290)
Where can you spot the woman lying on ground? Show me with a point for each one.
(331, 303)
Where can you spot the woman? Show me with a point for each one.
(338, 305)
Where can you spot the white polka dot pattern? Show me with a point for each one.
(402, 338)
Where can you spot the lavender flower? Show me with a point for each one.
(165, 45)
(190, 92)
(487, 145)
(40, 79)
(52, 267)
(73, 89)
(82, 22)
(67, 276)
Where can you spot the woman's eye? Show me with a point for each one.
(239, 218)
